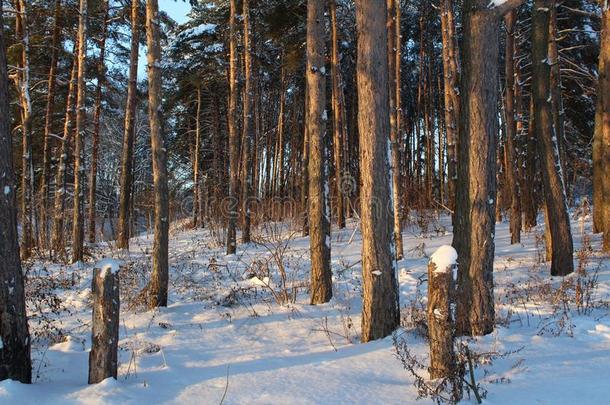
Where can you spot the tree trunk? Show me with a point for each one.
(233, 141)
(22, 80)
(57, 238)
(129, 132)
(474, 227)
(393, 9)
(79, 136)
(160, 277)
(530, 205)
(101, 79)
(248, 126)
(554, 191)
(319, 224)
(103, 357)
(601, 144)
(338, 117)
(452, 102)
(196, 162)
(15, 362)
(511, 161)
(48, 126)
(380, 310)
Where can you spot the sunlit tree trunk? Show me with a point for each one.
(393, 10)
(126, 179)
(79, 136)
(474, 226)
(319, 224)
(451, 88)
(157, 288)
(338, 117)
(380, 307)
(57, 238)
(233, 141)
(248, 126)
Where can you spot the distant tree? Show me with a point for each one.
(233, 136)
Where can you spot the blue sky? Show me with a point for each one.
(177, 9)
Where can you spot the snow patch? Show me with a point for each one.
(444, 258)
(108, 265)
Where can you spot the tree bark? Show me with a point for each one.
(511, 161)
(15, 362)
(129, 132)
(474, 227)
(233, 141)
(338, 117)
(57, 242)
(95, 141)
(160, 277)
(248, 126)
(196, 163)
(601, 144)
(393, 10)
(562, 254)
(380, 309)
(22, 81)
(452, 102)
(103, 357)
(79, 136)
(48, 125)
(319, 224)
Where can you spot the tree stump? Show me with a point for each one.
(440, 312)
(103, 358)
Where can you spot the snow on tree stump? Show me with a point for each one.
(441, 269)
(103, 358)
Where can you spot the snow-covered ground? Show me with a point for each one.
(224, 336)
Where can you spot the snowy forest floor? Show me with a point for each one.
(235, 328)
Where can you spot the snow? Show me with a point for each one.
(108, 265)
(222, 324)
(7, 190)
(444, 258)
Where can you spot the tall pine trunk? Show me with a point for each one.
(126, 180)
(474, 227)
(157, 288)
(233, 140)
(315, 120)
(338, 116)
(601, 143)
(511, 161)
(554, 190)
(97, 115)
(57, 235)
(451, 96)
(393, 10)
(248, 126)
(22, 80)
(79, 137)
(380, 309)
(15, 362)
(48, 126)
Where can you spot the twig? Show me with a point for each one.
(226, 386)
